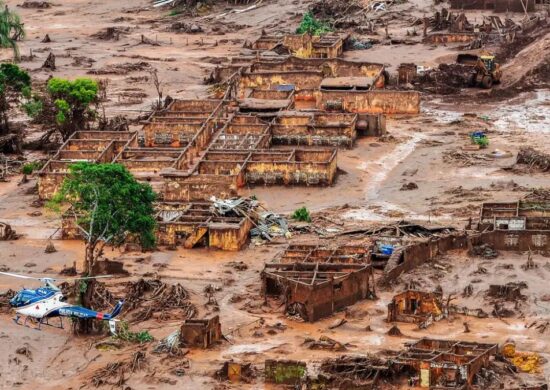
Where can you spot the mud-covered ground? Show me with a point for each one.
(431, 150)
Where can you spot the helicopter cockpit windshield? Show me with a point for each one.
(21, 298)
(25, 297)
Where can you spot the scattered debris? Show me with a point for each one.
(202, 333)
(114, 374)
(409, 186)
(151, 296)
(5, 301)
(524, 361)
(182, 27)
(394, 331)
(236, 372)
(325, 342)
(485, 251)
(534, 159)
(111, 33)
(50, 248)
(510, 291)
(357, 371)
(171, 345)
(121, 68)
(337, 323)
(35, 4)
(50, 62)
(25, 351)
(7, 233)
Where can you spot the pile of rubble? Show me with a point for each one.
(146, 298)
(7, 233)
(5, 301)
(534, 159)
(149, 297)
(267, 225)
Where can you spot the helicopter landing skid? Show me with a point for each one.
(39, 322)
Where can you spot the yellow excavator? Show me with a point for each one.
(485, 71)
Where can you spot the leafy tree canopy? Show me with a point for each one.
(14, 77)
(11, 29)
(310, 25)
(109, 203)
(72, 99)
(81, 91)
(14, 83)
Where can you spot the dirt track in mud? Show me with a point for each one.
(450, 190)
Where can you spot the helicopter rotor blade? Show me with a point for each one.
(19, 276)
(44, 279)
(84, 278)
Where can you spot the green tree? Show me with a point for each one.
(72, 102)
(14, 84)
(310, 25)
(108, 205)
(11, 29)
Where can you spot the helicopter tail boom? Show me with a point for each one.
(113, 314)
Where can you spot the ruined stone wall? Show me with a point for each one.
(417, 254)
(522, 240)
(150, 165)
(337, 66)
(287, 173)
(370, 102)
(321, 300)
(49, 183)
(167, 232)
(296, 42)
(162, 134)
(505, 240)
(450, 38)
(229, 237)
(269, 80)
(285, 372)
(195, 188)
(200, 333)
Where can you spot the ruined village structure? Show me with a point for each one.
(348, 194)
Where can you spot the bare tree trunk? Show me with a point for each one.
(4, 124)
(85, 326)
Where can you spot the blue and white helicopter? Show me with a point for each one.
(48, 301)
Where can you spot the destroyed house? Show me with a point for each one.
(148, 162)
(308, 46)
(185, 124)
(312, 75)
(222, 172)
(330, 67)
(314, 129)
(195, 224)
(202, 333)
(82, 146)
(266, 102)
(416, 307)
(315, 253)
(520, 215)
(328, 85)
(444, 364)
(242, 132)
(316, 290)
(187, 225)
